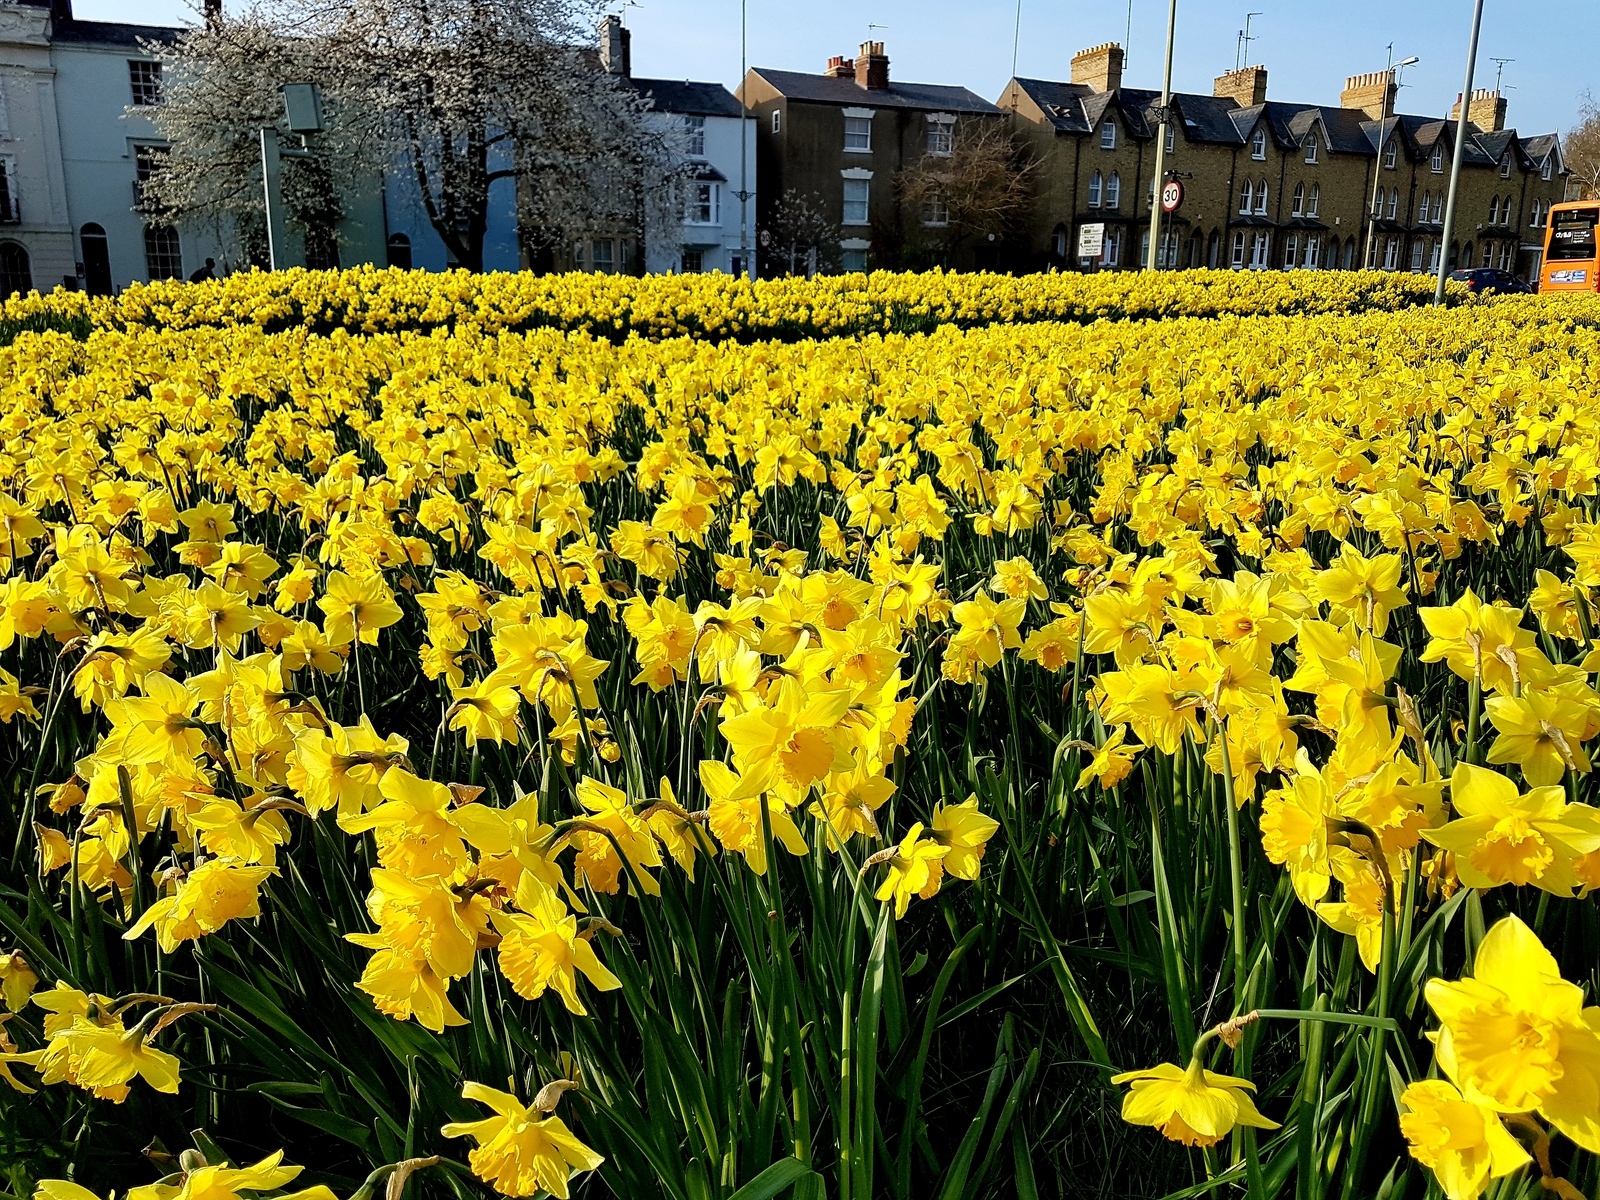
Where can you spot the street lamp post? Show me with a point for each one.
(1377, 163)
(1455, 158)
(1151, 256)
(744, 128)
(302, 104)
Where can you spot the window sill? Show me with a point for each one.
(936, 224)
(857, 150)
(861, 224)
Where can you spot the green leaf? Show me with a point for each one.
(784, 1173)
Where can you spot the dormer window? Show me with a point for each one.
(1548, 168)
(1311, 146)
(1391, 154)
(1505, 167)
(1108, 136)
(1436, 163)
(1172, 138)
(1258, 144)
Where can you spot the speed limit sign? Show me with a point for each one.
(765, 238)
(1171, 195)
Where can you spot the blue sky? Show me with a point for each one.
(1308, 48)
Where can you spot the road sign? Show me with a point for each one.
(765, 238)
(1091, 240)
(1171, 195)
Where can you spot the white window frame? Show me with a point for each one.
(1391, 253)
(777, 123)
(133, 91)
(1494, 210)
(935, 211)
(1433, 256)
(1262, 192)
(1172, 138)
(1392, 211)
(1247, 197)
(941, 134)
(1417, 250)
(1291, 250)
(702, 202)
(862, 127)
(1391, 155)
(1436, 160)
(1111, 248)
(1425, 202)
(1108, 136)
(1312, 144)
(855, 175)
(11, 210)
(1258, 145)
(695, 128)
(1297, 206)
(1505, 165)
(1438, 207)
(1313, 253)
(1314, 200)
(1261, 250)
(1096, 189)
(1112, 197)
(1236, 251)
(1548, 167)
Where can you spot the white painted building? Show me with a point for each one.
(712, 124)
(75, 140)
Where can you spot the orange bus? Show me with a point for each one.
(1569, 248)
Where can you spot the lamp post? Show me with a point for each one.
(1377, 163)
(744, 127)
(302, 104)
(1151, 257)
(1455, 158)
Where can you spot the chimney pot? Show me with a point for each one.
(1099, 67)
(840, 67)
(1247, 87)
(872, 67)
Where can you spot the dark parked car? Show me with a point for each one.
(1487, 281)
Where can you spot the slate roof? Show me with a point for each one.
(688, 97)
(826, 89)
(1076, 108)
(112, 33)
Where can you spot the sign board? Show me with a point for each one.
(1171, 195)
(1091, 240)
(765, 238)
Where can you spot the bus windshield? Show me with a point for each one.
(1572, 235)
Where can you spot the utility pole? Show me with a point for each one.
(744, 154)
(1455, 160)
(1392, 71)
(303, 105)
(1152, 256)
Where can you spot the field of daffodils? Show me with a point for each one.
(884, 736)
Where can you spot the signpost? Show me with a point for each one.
(1091, 240)
(1171, 196)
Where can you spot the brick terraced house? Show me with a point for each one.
(1275, 185)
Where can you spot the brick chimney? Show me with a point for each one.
(1246, 88)
(872, 67)
(616, 46)
(840, 67)
(1099, 66)
(1373, 93)
(1487, 110)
